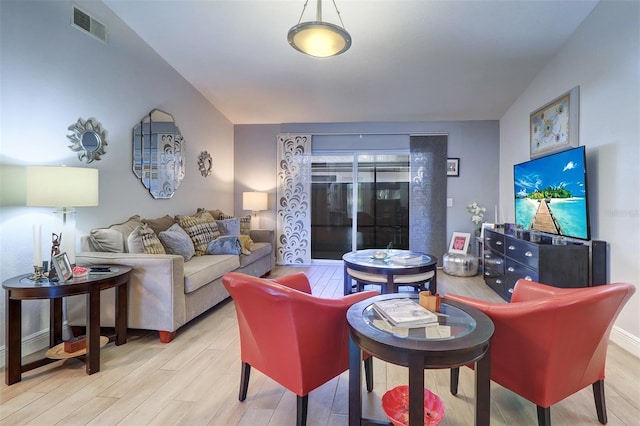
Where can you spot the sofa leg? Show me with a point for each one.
(167, 336)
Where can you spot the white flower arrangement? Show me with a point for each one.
(477, 213)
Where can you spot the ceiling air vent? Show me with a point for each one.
(89, 25)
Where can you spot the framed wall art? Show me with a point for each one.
(453, 167)
(555, 126)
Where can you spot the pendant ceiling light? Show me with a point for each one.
(317, 38)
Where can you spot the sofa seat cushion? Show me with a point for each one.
(201, 270)
(258, 250)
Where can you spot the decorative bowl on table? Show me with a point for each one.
(395, 404)
(379, 255)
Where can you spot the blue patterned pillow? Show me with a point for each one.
(229, 226)
(177, 241)
(228, 244)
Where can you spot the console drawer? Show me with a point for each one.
(515, 271)
(522, 251)
(494, 241)
(493, 265)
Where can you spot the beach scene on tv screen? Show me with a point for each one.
(550, 194)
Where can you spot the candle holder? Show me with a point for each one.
(38, 273)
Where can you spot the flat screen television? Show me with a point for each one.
(551, 194)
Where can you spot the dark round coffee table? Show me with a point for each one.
(362, 266)
(22, 288)
(461, 337)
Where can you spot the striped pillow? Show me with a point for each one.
(201, 229)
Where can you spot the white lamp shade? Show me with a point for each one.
(254, 201)
(51, 186)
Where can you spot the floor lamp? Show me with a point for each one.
(63, 188)
(254, 201)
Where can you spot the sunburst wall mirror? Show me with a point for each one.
(88, 139)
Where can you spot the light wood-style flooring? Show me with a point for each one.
(194, 381)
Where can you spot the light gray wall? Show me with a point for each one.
(603, 58)
(52, 74)
(476, 143)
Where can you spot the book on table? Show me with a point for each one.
(404, 312)
(407, 259)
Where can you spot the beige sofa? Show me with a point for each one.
(165, 291)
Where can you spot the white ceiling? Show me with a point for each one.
(410, 60)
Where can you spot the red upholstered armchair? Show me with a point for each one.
(298, 340)
(551, 342)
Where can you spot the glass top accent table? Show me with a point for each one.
(398, 267)
(461, 336)
(22, 288)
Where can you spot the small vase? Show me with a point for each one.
(476, 232)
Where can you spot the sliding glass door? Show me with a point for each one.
(379, 217)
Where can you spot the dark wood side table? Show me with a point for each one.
(389, 271)
(22, 288)
(468, 341)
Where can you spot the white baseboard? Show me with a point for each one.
(626, 341)
(30, 344)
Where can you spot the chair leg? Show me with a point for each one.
(368, 373)
(244, 381)
(301, 412)
(453, 381)
(544, 416)
(601, 406)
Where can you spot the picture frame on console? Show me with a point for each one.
(554, 127)
(459, 242)
(486, 225)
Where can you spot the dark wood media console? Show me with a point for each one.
(507, 259)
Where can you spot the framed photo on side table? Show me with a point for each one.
(453, 167)
(459, 242)
(63, 266)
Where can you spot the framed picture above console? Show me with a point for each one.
(554, 126)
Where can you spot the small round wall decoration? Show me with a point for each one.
(205, 163)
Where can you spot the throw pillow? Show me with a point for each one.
(160, 224)
(201, 230)
(228, 244)
(245, 223)
(229, 226)
(106, 240)
(217, 214)
(246, 243)
(177, 241)
(143, 240)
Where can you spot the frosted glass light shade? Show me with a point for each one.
(254, 201)
(319, 39)
(51, 186)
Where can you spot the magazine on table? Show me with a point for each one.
(407, 259)
(404, 312)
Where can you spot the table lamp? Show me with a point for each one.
(254, 201)
(64, 188)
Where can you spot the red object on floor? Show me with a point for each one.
(395, 404)
(75, 344)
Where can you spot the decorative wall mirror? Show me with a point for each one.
(87, 139)
(205, 163)
(158, 154)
